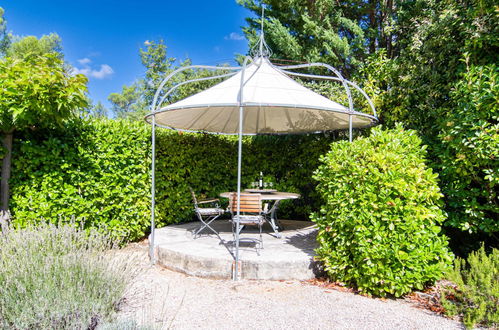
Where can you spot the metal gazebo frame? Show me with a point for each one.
(262, 52)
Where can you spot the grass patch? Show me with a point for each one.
(60, 277)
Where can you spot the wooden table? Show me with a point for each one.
(276, 197)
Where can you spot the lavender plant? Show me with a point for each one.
(60, 277)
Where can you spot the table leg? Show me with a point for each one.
(274, 222)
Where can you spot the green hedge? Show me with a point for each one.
(94, 170)
(379, 227)
(468, 154)
(208, 163)
(100, 170)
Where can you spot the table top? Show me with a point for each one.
(274, 196)
(260, 191)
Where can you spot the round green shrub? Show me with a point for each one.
(379, 225)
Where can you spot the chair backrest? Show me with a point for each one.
(250, 203)
(194, 199)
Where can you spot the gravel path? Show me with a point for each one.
(172, 300)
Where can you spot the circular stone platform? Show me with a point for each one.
(290, 257)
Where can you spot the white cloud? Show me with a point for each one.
(104, 71)
(234, 36)
(84, 61)
(84, 71)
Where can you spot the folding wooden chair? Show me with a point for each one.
(251, 214)
(206, 214)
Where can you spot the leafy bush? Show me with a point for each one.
(475, 295)
(100, 171)
(469, 154)
(380, 222)
(59, 278)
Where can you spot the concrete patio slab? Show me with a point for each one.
(290, 257)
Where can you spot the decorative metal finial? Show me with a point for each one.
(261, 49)
(261, 30)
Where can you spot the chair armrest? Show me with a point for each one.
(209, 201)
(215, 202)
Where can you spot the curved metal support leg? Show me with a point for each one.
(272, 219)
(171, 75)
(332, 69)
(239, 162)
(152, 255)
(312, 76)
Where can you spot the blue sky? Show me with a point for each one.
(102, 38)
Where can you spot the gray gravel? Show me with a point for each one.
(166, 299)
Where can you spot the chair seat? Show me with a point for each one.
(249, 219)
(210, 211)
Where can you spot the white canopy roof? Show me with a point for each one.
(273, 104)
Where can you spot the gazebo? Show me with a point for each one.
(258, 98)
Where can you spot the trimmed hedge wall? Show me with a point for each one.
(208, 163)
(94, 170)
(99, 170)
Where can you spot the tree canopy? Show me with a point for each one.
(31, 45)
(4, 36)
(429, 64)
(134, 101)
(310, 31)
(36, 89)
